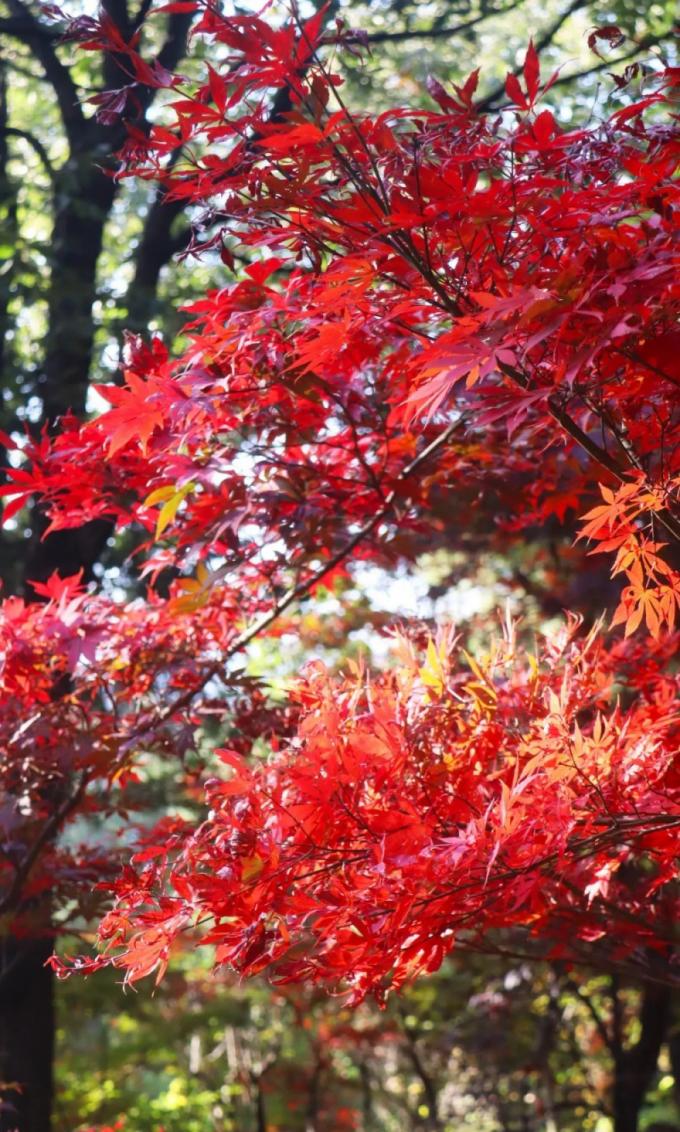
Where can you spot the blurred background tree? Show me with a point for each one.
(493, 1044)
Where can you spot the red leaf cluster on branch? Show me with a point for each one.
(86, 686)
(439, 306)
(505, 273)
(446, 799)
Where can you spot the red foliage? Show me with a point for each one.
(439, 305)
(435, 803)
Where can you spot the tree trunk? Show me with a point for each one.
(27, 1023)
(635, 1067)
(83, 194)
(26, 1035)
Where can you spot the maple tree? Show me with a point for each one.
(446, 308)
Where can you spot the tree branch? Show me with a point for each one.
(302, 588)
(154, 251)
(47, 833)
(429, 1087)
(41, 42)
(36, 145)
(174, 48)
(141, 15)
(296, 592)
(606, 65)
(435, 32)
(19, 27)
(543, 41)
(597, 1018)
(586, 442)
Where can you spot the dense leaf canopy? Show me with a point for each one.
(443, 308)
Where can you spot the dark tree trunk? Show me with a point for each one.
(8, 221)
(8, 237)
(155, 249)
(260, 1106)
(26, 1035)
(84, 196)
(635, 1067)
(83, 199)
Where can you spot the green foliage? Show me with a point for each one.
(486, 1045)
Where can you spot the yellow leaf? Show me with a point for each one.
(481, 676)
(203, 574)
(432, 673)
(170, 508)
(159, 495)
(252, 867)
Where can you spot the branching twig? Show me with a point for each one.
(36, 145)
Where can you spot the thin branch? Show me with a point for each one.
(586, 442)
(303, 588)
(41, 42)
(434, 32)
(36, 145)
(47, 833)
(295, 593)
(426, 1080)
(586, 999)
(543, 41)
(643, 44)
(591, 960)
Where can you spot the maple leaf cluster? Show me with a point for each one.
(439, 304)
(440, 802)
(420, 270)
(86, 685)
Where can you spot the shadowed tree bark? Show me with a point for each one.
(635, 1065)
(83, 194)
